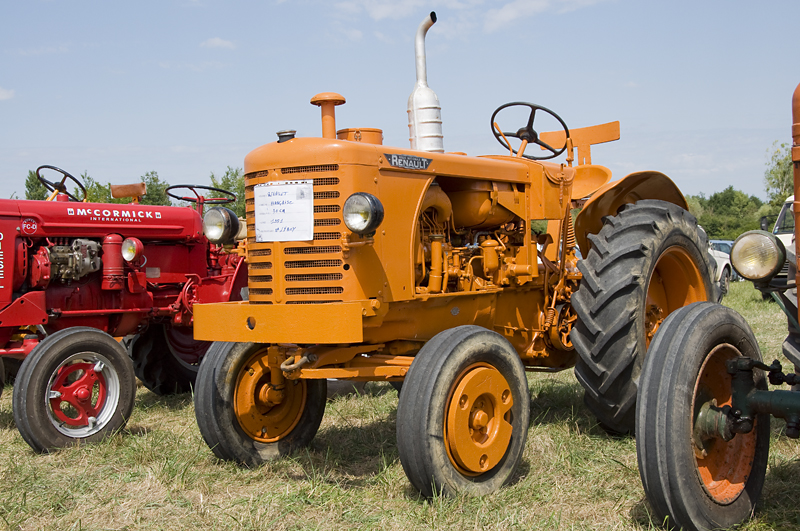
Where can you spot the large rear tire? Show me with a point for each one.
(166, 358)
(646, 262)
(77, 386)
(462, 418)
(692, 479)
(234, 420)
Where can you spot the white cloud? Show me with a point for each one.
(497, 18)
(6, 94)
(216, 42)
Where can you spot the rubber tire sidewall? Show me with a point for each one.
(667, 463)
(28, 403)
(157, 366)
(216, 417)
(610, 334)
(422, 405)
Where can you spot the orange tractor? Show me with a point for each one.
(450, 273)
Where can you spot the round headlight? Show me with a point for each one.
(363, 213)
(220, 225)
(757, 255)
(132, 249)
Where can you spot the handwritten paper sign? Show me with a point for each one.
(284, 211)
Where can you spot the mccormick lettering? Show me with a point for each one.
(408, 162)
(106, 214)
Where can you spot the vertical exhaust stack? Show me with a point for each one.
(424, 112)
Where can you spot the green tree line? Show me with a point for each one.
(232, 180)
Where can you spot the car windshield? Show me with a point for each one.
(721, 246)
(785, 222)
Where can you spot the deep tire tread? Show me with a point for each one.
(610, 332)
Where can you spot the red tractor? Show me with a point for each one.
(76, 275)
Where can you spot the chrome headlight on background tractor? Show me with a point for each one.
(758, 255)
(220, 225)
(132, 249)
(363, 213)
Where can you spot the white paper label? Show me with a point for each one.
(284, 211)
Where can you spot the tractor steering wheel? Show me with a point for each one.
(528, 133)
(60, 186)
(202, 199)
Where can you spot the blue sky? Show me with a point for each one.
(702, 88)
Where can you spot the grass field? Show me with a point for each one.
(159, 474)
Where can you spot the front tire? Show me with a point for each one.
(645, 263)
(235, 422)
(462, 418)
(77, 386)
(691, 479)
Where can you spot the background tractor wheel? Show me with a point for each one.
(2, 376)
(166, 358)
(694, 479)
(462, 418)
(646, 262)
(233, 417)
(724, 282)
(77, 386)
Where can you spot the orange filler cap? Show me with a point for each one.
(327, 101)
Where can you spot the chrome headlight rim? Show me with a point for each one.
(220, 225)
(758, 255)
(131, 249)
(362, 213)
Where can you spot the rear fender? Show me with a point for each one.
(611, 197)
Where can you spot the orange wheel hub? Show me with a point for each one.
(262, 419)
(723, 466)
(477, 426)
(676, 282)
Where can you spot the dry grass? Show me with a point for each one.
(159, 474)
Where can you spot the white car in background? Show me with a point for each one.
(784, 230)
(720, 250)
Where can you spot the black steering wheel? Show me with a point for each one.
(61, 187)
(231, 197)
(528, 133)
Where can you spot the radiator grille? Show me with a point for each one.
(328, 290)
(297, 264)
(260, 291)
(318, 279)
(314, 277)
(326, 195)
(326, 181)
(327, 235)
(327, 222)
(317, 249)
(311, 169)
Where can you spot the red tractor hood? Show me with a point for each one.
(40, 219)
